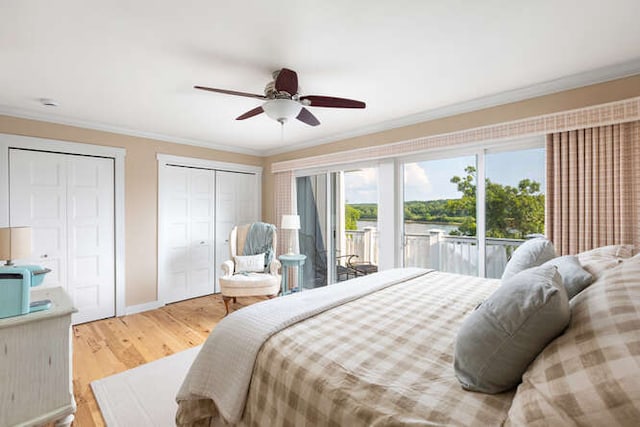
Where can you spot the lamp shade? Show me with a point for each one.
(290, 222)
(15, 243)
(282, 110)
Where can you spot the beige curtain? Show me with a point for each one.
(285, 204)
(593, 179)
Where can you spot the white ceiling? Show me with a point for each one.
(129, 66)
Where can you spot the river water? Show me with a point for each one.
(414, 227)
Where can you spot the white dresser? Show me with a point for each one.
(36, 384)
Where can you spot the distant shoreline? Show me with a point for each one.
(415, 227)
(411, 221)
(453, 224)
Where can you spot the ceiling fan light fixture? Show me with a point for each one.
(281, 110)
(283, 101)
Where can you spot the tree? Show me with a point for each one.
(511, 212)
(352, 215)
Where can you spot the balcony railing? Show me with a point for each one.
(454, 254)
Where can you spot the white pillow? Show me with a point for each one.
(249, 263)
(531, 253)
(574, 277)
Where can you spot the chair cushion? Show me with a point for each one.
(247, 280)
(249, 284)
(499, 340)
(531, 253)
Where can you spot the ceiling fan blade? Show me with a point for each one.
(250, 113)
(287, 81)
(330, 101)
(305, 116)
(231, 92)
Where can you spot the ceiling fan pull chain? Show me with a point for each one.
(282, 132)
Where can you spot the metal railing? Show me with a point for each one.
(454, 254)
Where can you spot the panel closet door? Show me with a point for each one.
(236, 204)
(188, 195)
(68, 201)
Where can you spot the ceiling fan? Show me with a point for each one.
(283, 101)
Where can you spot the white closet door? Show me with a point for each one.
(236, 203)
(201, 249)
(38, 198)
(90, 237)
(69, 203)
(188, 209)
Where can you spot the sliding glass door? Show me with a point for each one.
(465, 213)
(314, 210)
(514, 203)
(357, 237)
(439, 222)
(468, 214)
(338, 225)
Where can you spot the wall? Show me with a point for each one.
(577, 98)
(141, 165)
(141, 188)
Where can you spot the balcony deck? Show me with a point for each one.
(454, 254)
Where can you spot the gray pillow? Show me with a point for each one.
(574, 277)
(497, 342)
(531, 253)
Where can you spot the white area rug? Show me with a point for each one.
(144, 396)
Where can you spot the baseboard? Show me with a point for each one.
(139, 308)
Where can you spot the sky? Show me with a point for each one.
(430, 180)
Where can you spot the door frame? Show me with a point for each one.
(165, 160)
(8, 141)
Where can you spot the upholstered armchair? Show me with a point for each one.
(244, 275)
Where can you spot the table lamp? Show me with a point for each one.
(15, 243)
(291, 223)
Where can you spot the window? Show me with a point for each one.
(358, 244)
(440, 215)
(338, 225)
(460, 211)
(467, 213)
(514, 203)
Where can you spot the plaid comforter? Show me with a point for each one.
(384, 359)
(590, 375)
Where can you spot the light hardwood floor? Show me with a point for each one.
(109, 346)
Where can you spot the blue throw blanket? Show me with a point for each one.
(260, 240)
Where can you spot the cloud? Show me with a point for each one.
(362, 177)
(417, 185)
(361, 186)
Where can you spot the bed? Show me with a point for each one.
(378, 350)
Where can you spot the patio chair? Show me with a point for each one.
(353, 269)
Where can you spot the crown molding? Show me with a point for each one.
(574, 81)
(50, 118)
(169, 159)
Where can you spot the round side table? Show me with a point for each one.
(292, 260)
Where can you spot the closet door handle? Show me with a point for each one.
(45, 256)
